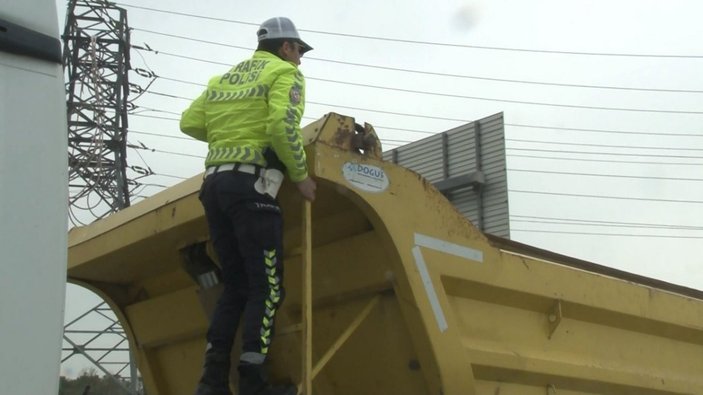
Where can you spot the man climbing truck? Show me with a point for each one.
(250, 118)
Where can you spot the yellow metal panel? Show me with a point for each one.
(507, 338)
(164, 283)
(454, 373)
(167, 319)
(355, 265)
(145, 207)
(178, 367)
(375, 359)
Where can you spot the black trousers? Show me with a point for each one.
(246, 229)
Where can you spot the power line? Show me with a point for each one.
(193, 140)
(523, 102)
(605, 234)
(604, 130)
(314, 119)
(606, 197)
(445, 119)
(506, 80)
(193, 39)
(175, 119)
(425, 72)
(515, 170)
(155, 117)
(176, 153)
(147, 109)
(603, 153)
(182, 81)
(509, 101)
(449, 119)
(605, 175)
(660, 90)
(388, 112)
(192, 58)
(588, 222)
(506, 124)
(515, 140)
(453, 45)
(162, 135)
(384, 140)
(310, 118)
(347, 107)
(403, 129)
(188, 15)
(371, 110)
(152, 185)
(167, 152)
(605, 160)
(516, 191)
(533, 103)
(605, 145)
(169, 95)
(169, 175)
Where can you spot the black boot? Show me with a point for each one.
(253, 381)
(215, 379)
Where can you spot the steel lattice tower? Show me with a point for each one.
(96, 61)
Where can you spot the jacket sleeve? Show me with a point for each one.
(286, 106)
(193, 119)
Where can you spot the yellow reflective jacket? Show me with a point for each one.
(256, 105)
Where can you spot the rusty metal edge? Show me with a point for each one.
(539, 253)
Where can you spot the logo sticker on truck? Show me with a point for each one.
(365, 177)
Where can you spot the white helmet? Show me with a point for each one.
(281, 27)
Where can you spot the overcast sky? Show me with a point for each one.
(597, 84)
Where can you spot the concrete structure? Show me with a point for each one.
(33, 197)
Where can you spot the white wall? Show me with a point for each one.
(33, 209)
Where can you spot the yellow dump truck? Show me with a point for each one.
(390, 290)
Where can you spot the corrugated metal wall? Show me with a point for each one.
(454, 158)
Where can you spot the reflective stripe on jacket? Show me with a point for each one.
(258, 104)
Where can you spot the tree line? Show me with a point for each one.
(90, 383)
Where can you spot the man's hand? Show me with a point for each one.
(307, 188)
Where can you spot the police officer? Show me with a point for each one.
(250, 118)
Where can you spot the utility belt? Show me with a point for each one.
(236, 167)
(269, 181)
